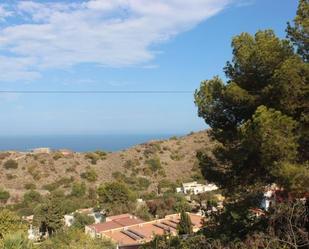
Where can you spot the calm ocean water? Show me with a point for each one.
(79, 143)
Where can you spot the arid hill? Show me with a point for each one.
(142, 166)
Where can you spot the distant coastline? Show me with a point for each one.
(78, 143)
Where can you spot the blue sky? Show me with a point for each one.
(118, 45)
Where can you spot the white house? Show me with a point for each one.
(269, 196)
(34, 233)
(195, 188)
(97, 216)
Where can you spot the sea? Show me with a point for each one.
(78, 143)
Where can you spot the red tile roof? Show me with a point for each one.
(120, 216)
(145, 231)
(116, 222)
(128, 221)
(105, 226)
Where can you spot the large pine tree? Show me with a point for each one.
(260, 115)
(260, 119)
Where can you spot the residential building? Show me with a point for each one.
(66, 152)
(34, 233)
(269, 196)
(112, 222)
(97, 216)
(41, 151)
(129, 232)
(195, 188)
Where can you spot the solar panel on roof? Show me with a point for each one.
(169, 224)
(165, 228)
(136, 233)
(131, 235)
(174, 221)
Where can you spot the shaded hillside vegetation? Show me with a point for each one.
(150, 167)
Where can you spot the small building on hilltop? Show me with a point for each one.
(41, 151)
(195, 188)
(66, 152)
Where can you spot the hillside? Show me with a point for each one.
(142, 166)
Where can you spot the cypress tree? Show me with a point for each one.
(185, 225)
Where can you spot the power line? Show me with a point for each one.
(94, 92)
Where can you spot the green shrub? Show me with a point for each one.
(176, 156)
(154, 164)
(29, 185)
(17, 240)
(93, 157)
(78, 189)
(10, 176)
(57, 156)
(4, 196)
(34, 172)
(90, 175)
(65, 181)
(117, 175)
(101, 154)
(10, 164)
(166, 148)
(130, 164)
(147, 171)
(151, 149)
(32, 197)
(82, 220)
(164, 183)
(114, 194)
(143, 212)
(71, 169)
(143, 183)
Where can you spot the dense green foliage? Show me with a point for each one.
(260, 118)
(95, 156)
(75, 239)
(49, 215)
(17, 240)
(82, 220)
(260, 115)
(10, 223)
(167, 204)
(116, 197)
(154, 164)
(90, 175)
(298, 33)
(136, 183)
(78, 189)
(288, 225)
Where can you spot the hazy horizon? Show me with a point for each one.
(78, 143)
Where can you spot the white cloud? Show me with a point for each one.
(4, 13)
(111, 33)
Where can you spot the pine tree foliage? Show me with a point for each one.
(260, 115)
(49, 215)
(299, 32)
